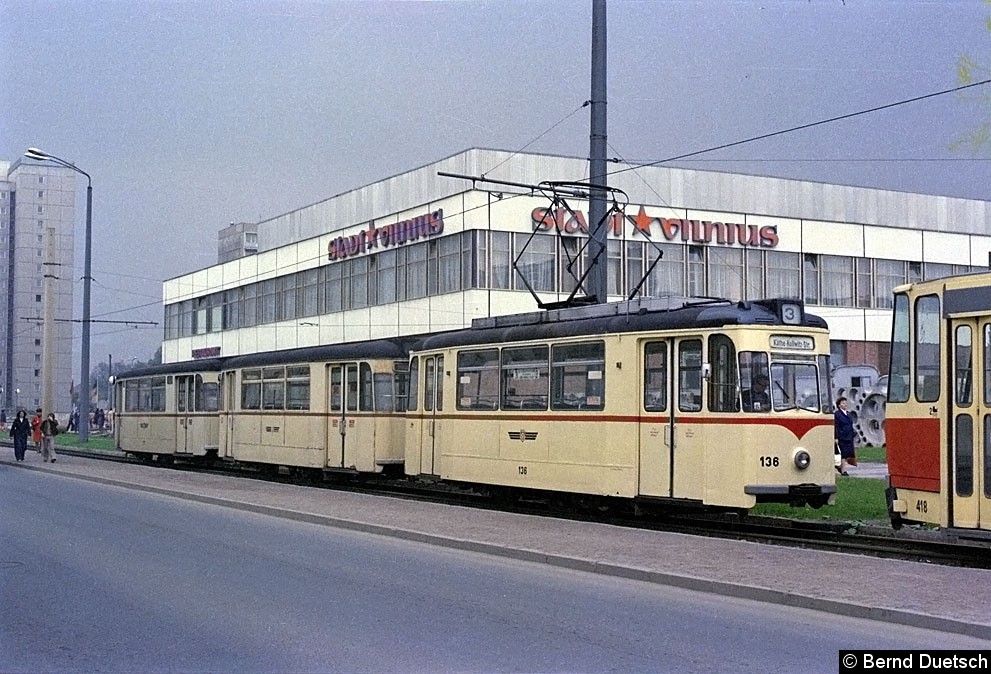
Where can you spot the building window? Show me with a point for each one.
(634, 267)
(810, 278)
(837, 280)
(41, 194)
(696, 270)
(502, 260)
(726, 273)
(385, 277)
(668, 274)
(888, 274)
(41, 209)
(754, 288)
(865, 284)
(449, 264)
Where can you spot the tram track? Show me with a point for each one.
(918, 545)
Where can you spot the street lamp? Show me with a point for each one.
(38, 155)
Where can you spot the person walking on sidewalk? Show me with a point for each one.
(844, 435)
(49, 429)
(19, 431)
(36, 429)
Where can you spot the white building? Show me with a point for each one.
(421, 252)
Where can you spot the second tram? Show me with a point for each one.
(938, 412)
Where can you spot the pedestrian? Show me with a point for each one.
(36, 430)
(19, 431)
(3, 419)
(843, 436)
(71, 426)
(49, 429)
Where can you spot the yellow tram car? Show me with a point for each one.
(653, 399)
(938, 411)
(168, 410)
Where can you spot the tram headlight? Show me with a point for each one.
(802, 459)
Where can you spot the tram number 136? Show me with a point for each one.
(769, 462)
(522, 470)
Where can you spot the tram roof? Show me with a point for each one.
(621, 317)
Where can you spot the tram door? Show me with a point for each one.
(229, 383)
(185, 387)
(672, 445)
(433, 402)
(969, 443)
(343, 406)
(688, 435)
(657, 422)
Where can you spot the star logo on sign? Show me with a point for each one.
(642, 222)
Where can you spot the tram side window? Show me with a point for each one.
(578, 376)
(131, 396)
(478, 380)
(722, 380)
(402, 385)
(899, 372)
(963, 464)
(525, 381)
(251, 390)
(207, 395)
(157, 400)
(273, 388)
(385, 398)
(655, 377)
(962, 366)
(412, 404)
(986, 359)
(755, 381)
(298, 387)
(690, 376)
(367, 398)
(927, 349)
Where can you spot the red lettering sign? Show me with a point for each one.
(385, 236)
(672, 229)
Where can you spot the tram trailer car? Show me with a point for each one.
(938, 412)
(334, 408)
(168, 410)
(648, 400)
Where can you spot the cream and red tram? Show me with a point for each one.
(168, 410)
(938, 411)
(642, 399)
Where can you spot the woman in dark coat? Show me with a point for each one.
(844, 435)
(20, 430)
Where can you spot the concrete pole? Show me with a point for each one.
(598, 277)
(48, 329)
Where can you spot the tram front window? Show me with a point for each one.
(795, 385)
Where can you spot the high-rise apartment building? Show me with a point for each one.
(37, 201)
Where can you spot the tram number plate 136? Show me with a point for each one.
(769, 462)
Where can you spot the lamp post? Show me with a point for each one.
(38, 155)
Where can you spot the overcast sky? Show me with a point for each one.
(190, 115)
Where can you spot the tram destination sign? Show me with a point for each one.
(792, 343)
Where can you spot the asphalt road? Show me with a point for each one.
(102, 579)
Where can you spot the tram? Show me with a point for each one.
(938, 412)
(332, 408)
(168, 410)
(650, 399)
(698, 401)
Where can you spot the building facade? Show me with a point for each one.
(423, 252)
(37, 206)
